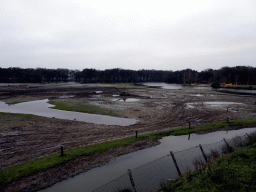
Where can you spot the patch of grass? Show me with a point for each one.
(16, 119)
(212, 126)
(14, 102)
(194, 129)
(235, 171)
(128, 85)
(17, 114)
(241, 87)
(81, 107)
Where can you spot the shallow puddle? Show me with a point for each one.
(66, 96)
(41, 108)
(213, 104)
(125, 100)
(197, 95)
(99, 176)
(96, 96)
(222, 103)
(9, 133)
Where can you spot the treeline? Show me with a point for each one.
(120, 76)
(239, 75)
(235, 75)
(39, 75)
(42, 75)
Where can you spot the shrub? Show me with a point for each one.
(215, 85)
(214, 153)
(198, 162)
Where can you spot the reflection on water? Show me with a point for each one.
(197, 95)
(180, 86)
(99, 176)
(213, 104)
(66, 96)
(126, 100)
(41, 108)
(173, 86)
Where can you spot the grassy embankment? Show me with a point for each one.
(235, 171)
(81, 107)
(18, 171)
(247, 87)
(127, 85)
(13, 102)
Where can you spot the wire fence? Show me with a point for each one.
(153, 175)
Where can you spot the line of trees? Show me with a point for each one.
(245, 75)
(39, 75)
(42, 75)
(120, 76)
(239, 75)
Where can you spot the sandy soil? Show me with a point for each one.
(24, 138)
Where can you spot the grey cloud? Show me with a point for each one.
(76, 35)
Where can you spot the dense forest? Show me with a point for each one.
(244, 75)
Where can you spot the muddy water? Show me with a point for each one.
(180, 86)
(125, 100)
(173, 86)
(239, 91)
(99, 176)
(214, 104)
(41, 108)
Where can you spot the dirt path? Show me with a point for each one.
(25, 138)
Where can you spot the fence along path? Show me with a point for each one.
(151, 176)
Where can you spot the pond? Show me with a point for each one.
(99, 176)
(172, 86)
(41, 108)
(180, 86)
(214, 104)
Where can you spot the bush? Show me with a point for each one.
(215, 85)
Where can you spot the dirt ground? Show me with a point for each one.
(25, 138)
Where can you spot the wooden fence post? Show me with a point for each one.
(61, 151)
(131, 179)
(229, 147)
(248, 136)
(176, 165)
(203, 152)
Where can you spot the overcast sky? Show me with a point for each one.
(162, 35)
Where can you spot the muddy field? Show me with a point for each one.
(25, 138)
